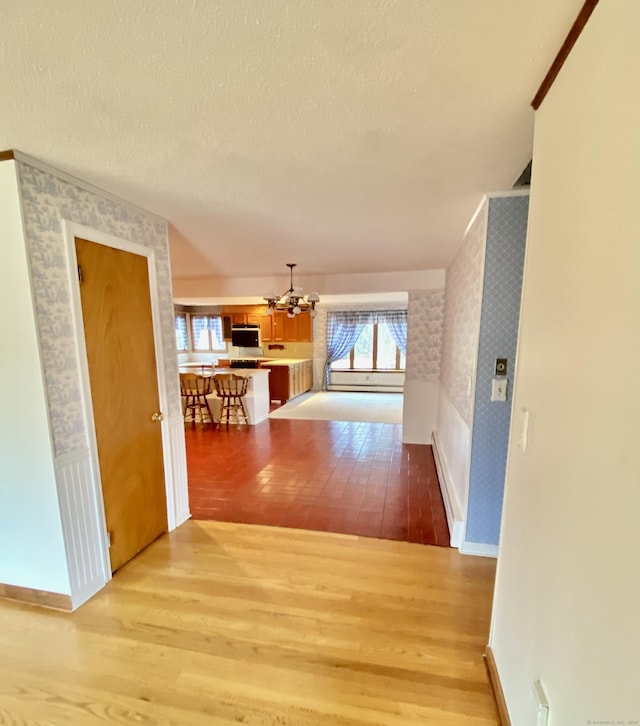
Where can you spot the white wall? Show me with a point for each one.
(32, 553)
(226, 290)
(567, 597)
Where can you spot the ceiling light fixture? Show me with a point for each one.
(292, 301)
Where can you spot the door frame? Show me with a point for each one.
(93, 488)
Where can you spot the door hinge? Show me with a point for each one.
(108, 539)
(80, 279)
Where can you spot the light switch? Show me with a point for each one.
(499, 389)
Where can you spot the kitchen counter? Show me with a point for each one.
(257, 399)
(290, 377)
(284, 361)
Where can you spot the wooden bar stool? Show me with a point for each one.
(231, 389)
(194, 390)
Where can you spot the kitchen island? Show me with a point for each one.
(257, 400)
(290, 377)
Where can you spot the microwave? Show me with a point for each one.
(245, 336)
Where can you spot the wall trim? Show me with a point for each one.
(479, 549)
(176, 459)
(83, 525)
(566, 48)
(55, 600)
(494, 680)
(364, 387)
(452, 508)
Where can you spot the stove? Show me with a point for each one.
(244, 363)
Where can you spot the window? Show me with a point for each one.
(206, 333)
(375, 349)
(182, 338)
(199, 333)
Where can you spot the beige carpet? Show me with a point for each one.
(344, 406)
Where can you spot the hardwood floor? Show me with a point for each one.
(333, 476)
(220, 623)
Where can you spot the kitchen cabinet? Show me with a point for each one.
(266, 328)
(280, 328)
(301, 328)
(245, 318)
(289, 379)
(240, 315)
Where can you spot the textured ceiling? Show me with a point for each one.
(345, 135)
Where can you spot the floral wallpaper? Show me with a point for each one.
(463, 300)
(425, 317)
(47, 200)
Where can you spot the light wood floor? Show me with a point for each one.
(222, 623)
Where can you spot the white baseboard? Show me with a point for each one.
(455, 519)
(363, 388)
(479, 549)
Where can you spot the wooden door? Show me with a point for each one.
(118, 328)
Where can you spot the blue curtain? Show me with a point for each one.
(396, 321)
(343, 330)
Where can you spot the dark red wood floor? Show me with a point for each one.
(334, 476)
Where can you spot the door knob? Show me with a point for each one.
(157, 416)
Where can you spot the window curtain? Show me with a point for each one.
(396, 321)
(344, 328)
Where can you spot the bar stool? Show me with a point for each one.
(231, 389)
(194, 390)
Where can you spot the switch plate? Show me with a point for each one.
(501, 367)
(499, 389)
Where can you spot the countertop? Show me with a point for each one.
(215, 371)
(285, 361)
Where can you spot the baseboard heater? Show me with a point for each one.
(452, 509)
(363, 387)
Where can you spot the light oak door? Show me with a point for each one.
(118, 328)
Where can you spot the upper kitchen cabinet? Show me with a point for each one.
(239, 315)
(280, 328)
(303, 327)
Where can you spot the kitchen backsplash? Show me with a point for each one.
(288, 350)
